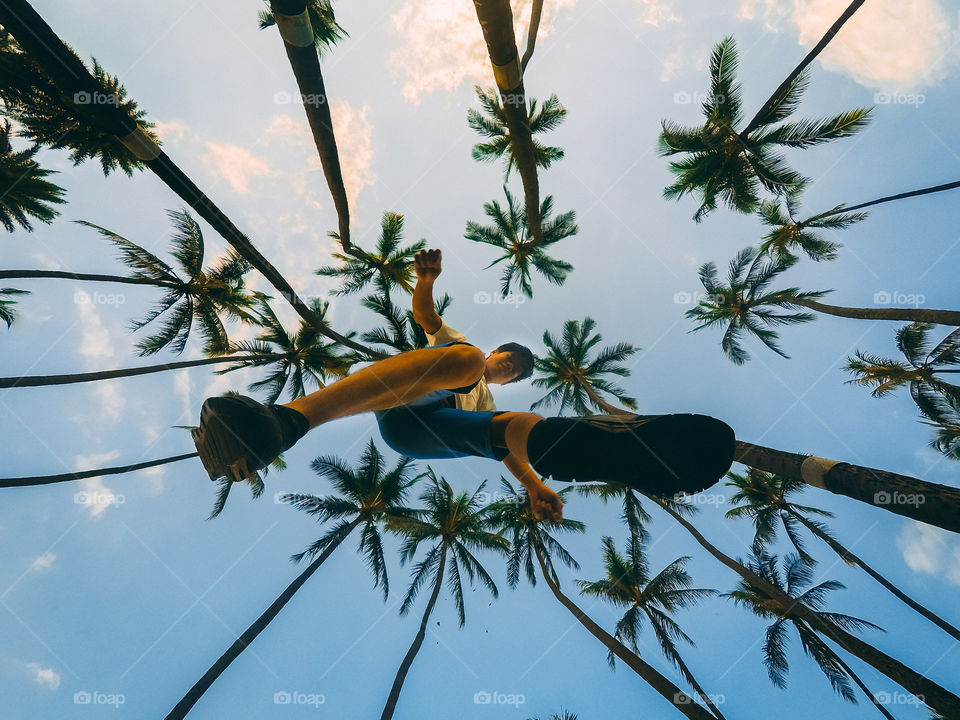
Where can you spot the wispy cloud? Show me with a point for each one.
(930, 550)
(48, 677)
(43, 562)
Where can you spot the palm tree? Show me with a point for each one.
(8, 310)
(536, 11)
(402, 332)
(947, 424)
(496, 22)
(456, 525)
(765, 499)
(492, 123)
(24, 191)
(366, 497)
(935, 696)
(723, 164)
(788, 233)
(298, 360)
(745, 306)
(573, 378)
(68, 77)
(522, 251)
(919, 372)
(308, 27)
(628, 585)
(798, 576)
(388, 267)
(83, 474)
(530, 540)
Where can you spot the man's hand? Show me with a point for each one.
(545, 503)
(426, 263)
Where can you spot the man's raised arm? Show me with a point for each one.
(426, 263)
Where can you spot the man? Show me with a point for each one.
(435, 403)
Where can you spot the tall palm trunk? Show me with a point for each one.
(648, 673)
(45, 380)
(87, 277)
(298, 41)
(888, 198)
(80, 475)
(935, 696)
(924, 501)
(69, 74)
(849, 557)
(866, 691)
(496, 21)
(941, 317)
(186, 704)
(404, 668)
(603, 404)
(536, 11)
(685, 671)
(810, 57)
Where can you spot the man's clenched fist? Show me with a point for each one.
(426, 263)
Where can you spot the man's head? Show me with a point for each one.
(508, 363)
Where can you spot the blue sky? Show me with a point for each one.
(126, 590)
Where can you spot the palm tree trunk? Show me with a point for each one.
(603, 404)
(889, 198)
(186, 704)
(45, 48)
(404, 668)
(810, 57)
(849, 557)
(298, 41)
(935, 696)
(648, 673)
(496, 22)
(45, 380)
(64, 274)
(941, 317)
(536, 11)
(924, 501)
(80, 475)
(864, 688)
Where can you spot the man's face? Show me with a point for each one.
(500, 368)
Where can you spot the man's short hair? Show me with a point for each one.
(522, 359)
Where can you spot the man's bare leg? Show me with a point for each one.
(392, 382)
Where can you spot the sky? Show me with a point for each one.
(117, 590)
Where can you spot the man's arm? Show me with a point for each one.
(427, 264)
(515, 429)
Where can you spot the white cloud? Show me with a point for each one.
(443, 44)
(237, 165)
(171, 131)
(95, 337)
(43, 562)
(48, 677)
(93, 494)
(893, 45)
(657, 12)
(930, 550)
(354, 132)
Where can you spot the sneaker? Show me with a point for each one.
(664, 455)
(238, 436)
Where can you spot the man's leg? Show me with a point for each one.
(392, 382)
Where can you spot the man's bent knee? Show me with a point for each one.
(516, 427)
(468, 362)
